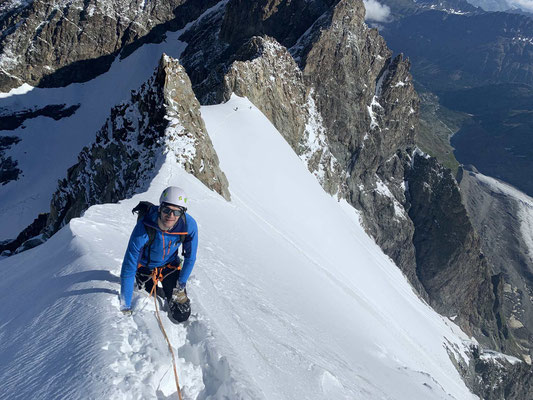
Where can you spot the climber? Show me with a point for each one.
(154, 243)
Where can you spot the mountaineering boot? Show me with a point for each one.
(179, 305)
(126, 311)
(179, 312)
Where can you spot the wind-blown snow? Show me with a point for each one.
(291, 299)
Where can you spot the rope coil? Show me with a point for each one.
(157, 276)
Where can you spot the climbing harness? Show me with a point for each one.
(157, 276)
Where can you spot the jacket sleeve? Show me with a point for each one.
(190, 246)
(138, 239)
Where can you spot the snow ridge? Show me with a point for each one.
(258, 330)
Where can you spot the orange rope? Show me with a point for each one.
(157, 277)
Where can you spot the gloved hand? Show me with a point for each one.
(179, 295)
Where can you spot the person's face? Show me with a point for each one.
(168, 216)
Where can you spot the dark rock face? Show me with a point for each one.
(214, 43)
(449, 261)
(503, 380)
(497, 213)
(493, 376)
(54, 43)
(8, 170)
(55, 111)
(162, 117)
(8, 167)
(287, 21)
(28, 238)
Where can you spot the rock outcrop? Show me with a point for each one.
(8, 166)
(449, 260)
(54, 43)
(162, 119)
(504, 218)
(495, 376)
(271, 79)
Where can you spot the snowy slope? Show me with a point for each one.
(291, 299)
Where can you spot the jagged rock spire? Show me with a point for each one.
(161, 119)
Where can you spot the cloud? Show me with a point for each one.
(526, 5)
(376, 11)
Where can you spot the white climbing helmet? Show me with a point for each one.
(175, 196)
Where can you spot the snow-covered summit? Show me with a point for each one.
(291, 299)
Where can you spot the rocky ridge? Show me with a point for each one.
(369, 109)
(162, 119)
(500, 214)
(450, 264)
(494, 376)
(54, 43)
(271, 79)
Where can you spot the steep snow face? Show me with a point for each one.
(291, 299)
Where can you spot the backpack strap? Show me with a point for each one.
(142, 209)
(183, 237)
(185, 228)
(151, 236)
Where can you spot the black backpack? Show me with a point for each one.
(141, 209)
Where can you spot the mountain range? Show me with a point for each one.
(93, 113)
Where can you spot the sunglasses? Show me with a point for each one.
(169, 211)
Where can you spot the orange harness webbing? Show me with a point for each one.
(157, 276)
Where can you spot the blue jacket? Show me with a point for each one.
(163, 251)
